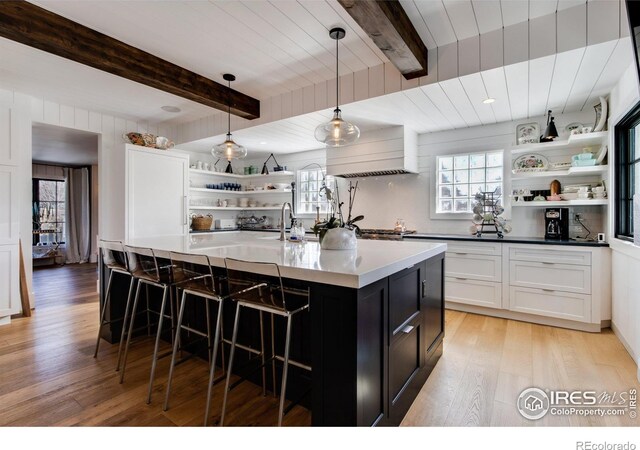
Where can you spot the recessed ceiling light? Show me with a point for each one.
(488, 101)
(263, 143)
(171, 109)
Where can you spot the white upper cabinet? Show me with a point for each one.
(156, 193)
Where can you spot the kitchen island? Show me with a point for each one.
(376, 320)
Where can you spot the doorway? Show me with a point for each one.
(64, 208)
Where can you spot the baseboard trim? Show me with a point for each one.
(5, 320)
(627, 347)
(523, 317)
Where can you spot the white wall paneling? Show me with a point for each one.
(448, 61)
(16, 177)
(469, 56)
(516, 43)
(491, 49)
(542, 32)
(572, 28)
(9, 280)
(9, 205)
(603, 21)
(9, 148)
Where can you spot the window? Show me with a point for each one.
(309, 191)
(48, 211)
(627, 139)
(460, 177)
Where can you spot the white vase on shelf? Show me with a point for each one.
(339, 239)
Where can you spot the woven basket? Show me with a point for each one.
(201, 223)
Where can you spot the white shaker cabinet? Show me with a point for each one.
(473, 273)
(143, 192)
(560, 285)
(157, 186)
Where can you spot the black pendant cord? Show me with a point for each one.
(337, 78)
(229, 109)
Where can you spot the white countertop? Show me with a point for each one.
(370, 262)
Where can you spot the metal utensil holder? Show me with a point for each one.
(489, 204)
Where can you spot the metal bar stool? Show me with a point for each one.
(259, 286)
(115, 259)
(194, 275)
(144, 266)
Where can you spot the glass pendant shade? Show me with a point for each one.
(229, 150)
(337, 132)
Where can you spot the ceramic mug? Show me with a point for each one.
(199, 165)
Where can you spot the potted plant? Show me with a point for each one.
(335, 232)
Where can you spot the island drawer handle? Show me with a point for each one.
(549, 263)
(408, 329)
(461, 278)
(548, 290)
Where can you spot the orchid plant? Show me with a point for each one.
(336, 218)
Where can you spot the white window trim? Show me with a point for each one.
(433, 186)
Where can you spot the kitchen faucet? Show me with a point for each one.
(291, 216)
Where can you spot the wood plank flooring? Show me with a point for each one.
(48, 375)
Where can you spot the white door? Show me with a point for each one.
(157, 186)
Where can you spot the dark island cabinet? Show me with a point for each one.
(375, 347)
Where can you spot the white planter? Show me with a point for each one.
(339, 239)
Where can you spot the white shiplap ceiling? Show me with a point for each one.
(446, 21)
(278, 46)
(271, 46)
(567, 82)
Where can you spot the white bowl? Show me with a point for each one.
(569, 196)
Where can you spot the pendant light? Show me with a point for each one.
(337, 132)
(228, 149)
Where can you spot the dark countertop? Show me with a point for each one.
(507, 239)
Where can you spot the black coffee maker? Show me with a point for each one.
(556, 224)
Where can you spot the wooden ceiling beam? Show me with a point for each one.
(388, 25)
(36, 27)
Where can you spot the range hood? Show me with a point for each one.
(387, 151)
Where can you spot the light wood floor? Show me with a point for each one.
(48, 375)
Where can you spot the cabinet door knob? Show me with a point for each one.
(424, 288)
(408, 329)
